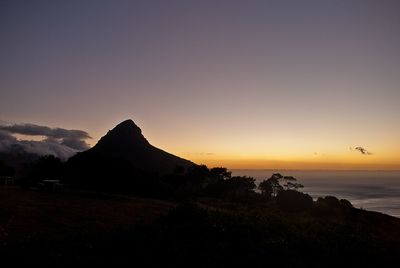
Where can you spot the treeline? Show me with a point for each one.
(108, 175)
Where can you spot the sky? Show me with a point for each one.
(242, 84)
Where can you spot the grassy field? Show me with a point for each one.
(27, 214)
(65, 229)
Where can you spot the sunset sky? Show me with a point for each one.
(242, 84)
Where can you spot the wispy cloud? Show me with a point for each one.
(362, 150)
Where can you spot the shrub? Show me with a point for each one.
(293, 201)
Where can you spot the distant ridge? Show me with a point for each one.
(126, 142)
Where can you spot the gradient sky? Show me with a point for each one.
(243, 84)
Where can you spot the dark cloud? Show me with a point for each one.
(6, 139)
(35, 130)
(59, 142)
(362, 150)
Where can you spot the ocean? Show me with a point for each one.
(369, 190)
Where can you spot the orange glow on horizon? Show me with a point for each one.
(295, 165)
(281, 154)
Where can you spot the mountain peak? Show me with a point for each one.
(128, 126)
(126, 143)
(125, 134)
(127, 123)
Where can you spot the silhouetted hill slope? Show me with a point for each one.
(127, 144)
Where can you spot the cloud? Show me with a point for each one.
(77, 144)
(362, 150)
(36, 130)
(62, 143)
(6, 139)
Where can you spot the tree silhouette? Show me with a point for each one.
(271, 186)
(47, 167)
(291, 183)
(220, 173)
(277, 183)
(241, 184)
(266, 188)
(6, 170)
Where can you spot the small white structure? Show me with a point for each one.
(51, 185)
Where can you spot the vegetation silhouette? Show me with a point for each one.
(6, 170)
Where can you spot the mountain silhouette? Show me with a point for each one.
(126, 143)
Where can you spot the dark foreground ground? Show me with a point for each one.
(65, 229)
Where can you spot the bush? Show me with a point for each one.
(346, 204)
(332, 201)
(293, 201)
(330, 204)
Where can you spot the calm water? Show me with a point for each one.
(370, 190)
